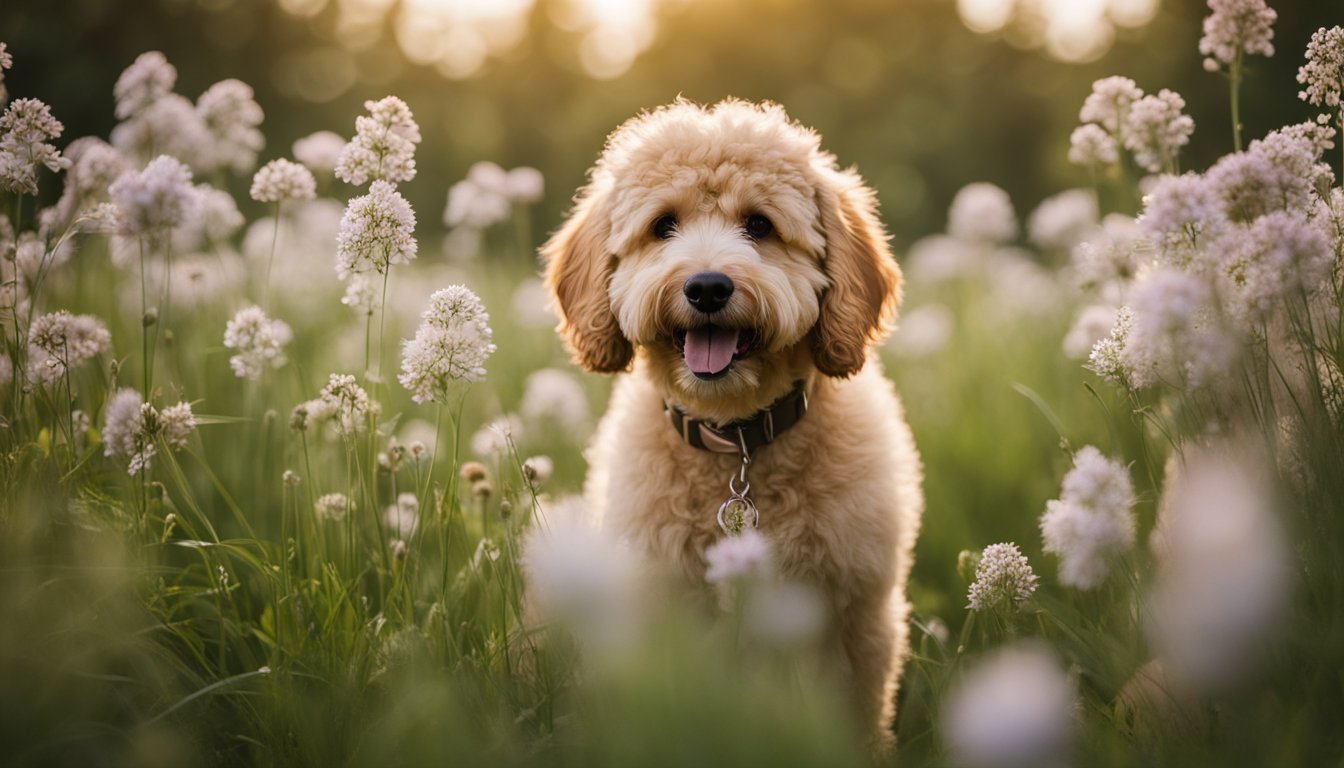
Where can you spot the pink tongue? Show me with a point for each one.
(710, 349)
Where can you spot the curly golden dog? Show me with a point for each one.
(721, 257)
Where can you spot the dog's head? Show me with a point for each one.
(727, 248)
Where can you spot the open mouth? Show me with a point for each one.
(711, 350)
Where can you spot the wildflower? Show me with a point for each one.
(1062, 221)
(94, 165)
(1278, 256)
(400, 549)
(1090, 144)
(170, 125)
(1109, 103)
(531, 304)
(1156, 129)
(1014, 708)
(937, 258)
(377, 231)
(1181, 213)
(142, 83)
(488, 193)
(1107, 357)
(260, 342)
(496, 437)
(1093, 324)
(744, 556)
(230, 115)
(25, 128)
(319, 151)
(402, 516)
(473, 471)
(291, 478)
(524, 185)
(1279, 172)
(1224, 575)
(383, 146)
(583, 578)
(346, 403)
(283, 180)
(1091, 522)
(390, 459)
(451, 345)
(131, 428)
(362, 294)
(538, 469)
(982, 212)
(787, 614)
(333, 506)
(1236, 27)
(157, 198)
(555, 396)
(1111, 254)
(60, 340)
(1003, 579)
(1323, 74)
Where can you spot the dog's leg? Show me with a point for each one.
(874, 636)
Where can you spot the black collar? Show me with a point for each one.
(744, 435)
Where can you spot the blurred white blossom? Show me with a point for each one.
(402, 517)
(982, 212)
(319, 151)
(230, 115)
(59, 341)
(1094, 323)
(259, 340)
(744, 556)
(282, 179)
(131, 428)
(1061, 221)
(555, 396)
(159, 197)
(1109, 103)
(1156, 129)
(1091, 523)
(1014, 709)
(1090, 145)
(1236, 27)
(333, 506)
(923, 331)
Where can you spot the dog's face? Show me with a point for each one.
(727, 249)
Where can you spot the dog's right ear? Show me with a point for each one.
(578, 271)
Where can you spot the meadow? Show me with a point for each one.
(276, 466)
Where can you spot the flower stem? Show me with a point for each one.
(270, 260)
(1234, 79)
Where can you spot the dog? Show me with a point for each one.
(739, 280)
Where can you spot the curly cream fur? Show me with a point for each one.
(839, 493)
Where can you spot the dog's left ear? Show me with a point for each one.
(859, 307)
(578, 271)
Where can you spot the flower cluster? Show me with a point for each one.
(157, 198)
(377, 231)
(260, 342)
(333, 506)
(1003, 579)
(344, 403)
(1091, 523)
(488, 193)
(451, 345)
(1014, 708)
(1117, 113)
(744, 556)
(982, 212)
(283, 180)
(25, 128)
(383, 146)
(1323, 74)
(230, 115)
(60, 341)
(1235, 28)
(320, 151)
(132, 428)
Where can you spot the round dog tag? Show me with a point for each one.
(737, 514)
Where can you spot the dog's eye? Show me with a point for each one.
(759, 227)
(665, 226)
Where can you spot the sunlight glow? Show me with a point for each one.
(1070, 30)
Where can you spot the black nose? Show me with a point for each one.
(708, 291)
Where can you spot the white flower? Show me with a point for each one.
(785, 614)
(60, 340)
(524, 185)
(282, 179)
(555, 396)
(1323, 74)
(1003, 579)
(1181, 214)
(1093, 324)
(1278, 172)
(1236, 26)
(94, 165)
(1277, 257)
(145, 81)
(333, 506)
(319, 151)
(377, 231)
(1091, 523)
(25, 128)
(346, 404)
(1062, 221)
(1224, 575)
(982, 212)
(175, 424)
(383, 146)
(937, 258)
(1090, 144)
(132, 427)
(538, 469)
(362, 294)
(260, 342)
(1108, 104)
(1111, 254)
(744, 556)
(451, 345)
(402, 517)
(583, 578)
(168, 126)
(493, 439)
(1014, 708)
(157, 198)
(231, 116)
(1156, 129)
(481, 199)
